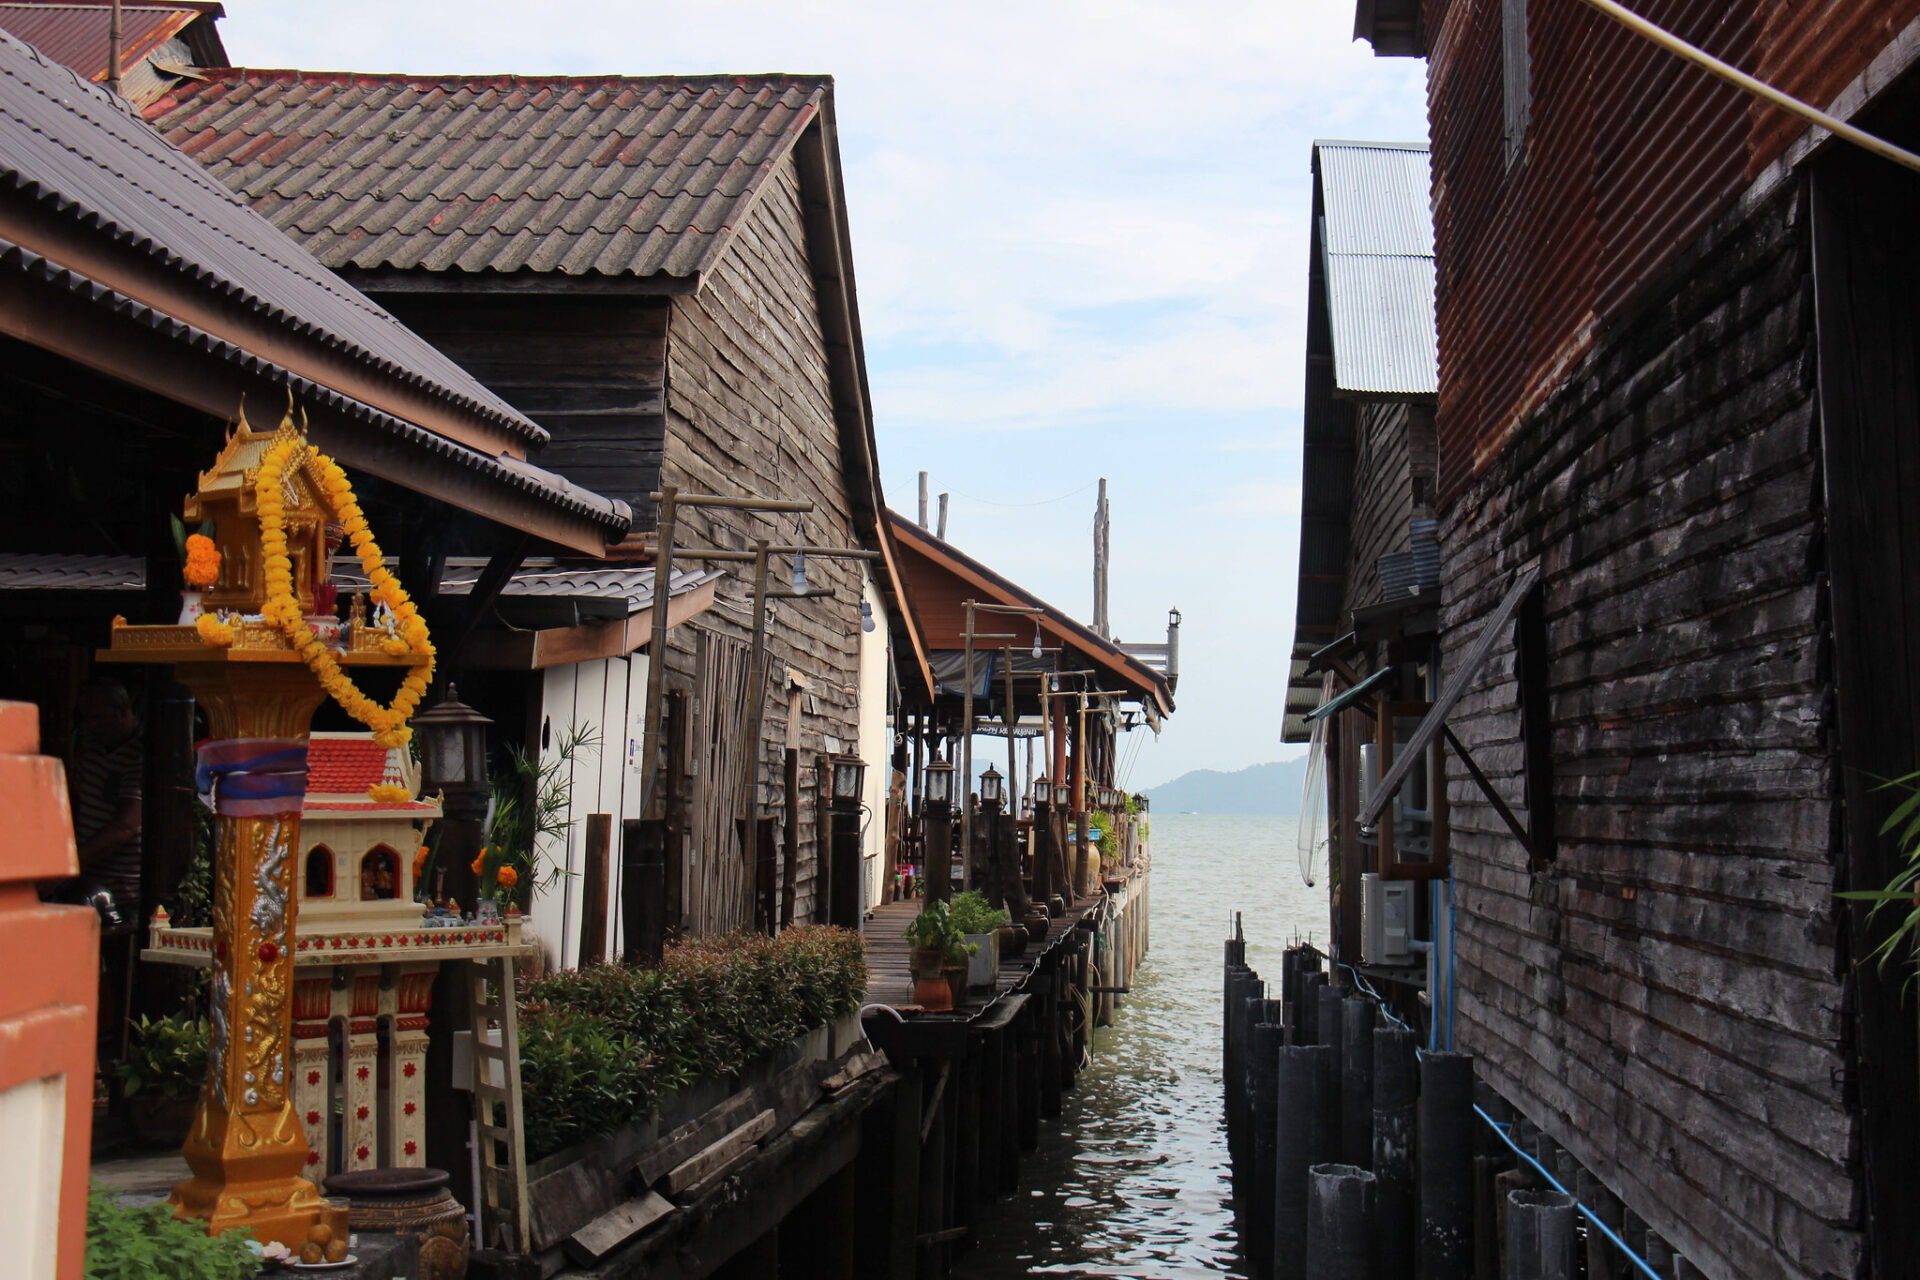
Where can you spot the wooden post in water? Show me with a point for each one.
(1444, 1245)
(1301, 1079)
(1263, 1095)
(1395, 1081)
(1539, 1235)
(1339, 1223)
(1356, 1083)
(1333, 1034)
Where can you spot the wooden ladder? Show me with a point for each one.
(496, 1103)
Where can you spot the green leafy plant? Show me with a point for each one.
(1903, 890)
(600, 1046)
(149, 1243)
(973, 913)
(934, 929)
(532, 801)
(166, 1056)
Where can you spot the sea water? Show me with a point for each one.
(1132, 1181)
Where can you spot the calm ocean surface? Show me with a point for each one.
(1132, 1180)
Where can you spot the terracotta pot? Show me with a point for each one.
(412, 1202)
(1013, 940)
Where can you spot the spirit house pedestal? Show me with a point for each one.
(248, 1148)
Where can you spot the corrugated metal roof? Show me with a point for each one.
(79, 151)
(1376, 239)
(632, 584)
(76, 34)
(626, 176)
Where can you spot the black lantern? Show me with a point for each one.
(453, 745)
(990, 792)
(1062, 795)
(848, 772)
(937, 780)
(1041, 791)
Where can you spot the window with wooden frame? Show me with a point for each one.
(1413, 831)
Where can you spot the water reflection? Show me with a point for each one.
(1132, 1180)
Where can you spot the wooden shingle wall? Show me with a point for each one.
(749, 410)
(1664, 999)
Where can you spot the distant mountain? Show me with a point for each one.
(1259, 788)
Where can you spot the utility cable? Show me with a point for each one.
(1554, 1182)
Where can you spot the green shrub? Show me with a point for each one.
(165, 1056)
(151, 1244)
(973, 913)
(600, 1046)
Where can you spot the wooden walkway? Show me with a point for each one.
(889, 962)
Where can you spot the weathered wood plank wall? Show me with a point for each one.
(749, 410)
(1382, 497)
(1664, 998)
(591, 370)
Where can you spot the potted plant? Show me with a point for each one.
(980, 923)
(165, 1066)
(938, 945)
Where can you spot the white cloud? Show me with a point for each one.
(1080, 238)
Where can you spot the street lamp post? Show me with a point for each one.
(843, 879)
(453, 762)
(936, 810)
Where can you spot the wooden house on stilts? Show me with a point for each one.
(1671, 651)
(657, 270)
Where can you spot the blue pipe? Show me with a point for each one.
(1554, 1182)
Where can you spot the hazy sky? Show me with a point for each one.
(1080, 236)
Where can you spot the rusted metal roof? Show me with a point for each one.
(618, 177)
(76, 34)
(1376, 238)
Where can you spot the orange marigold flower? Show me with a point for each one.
(480, 862)
(420, 861)
(508, 877)
(202, 569)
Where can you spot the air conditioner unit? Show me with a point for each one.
(1386, 920)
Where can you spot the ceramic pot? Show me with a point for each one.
(957, 984)
(1013, 940)
(984, 964)
(931, 991)
(190, 607)
(412, 1202)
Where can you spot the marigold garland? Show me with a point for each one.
(202, 568)
(214, 630)
(388, 793)
(282, 608)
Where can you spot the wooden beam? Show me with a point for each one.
(720, 1154)
(561, 646)
(1493, 797)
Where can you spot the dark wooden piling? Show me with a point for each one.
(1263, 1093)
(1395, 1091)
(1356, 1083)
(1331, 1021)
(1444, 1243)
(1540, 1235)
(1604, 1259)
(1339, 1223)
(1308, 1029)
(1299, 1138)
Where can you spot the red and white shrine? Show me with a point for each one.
(365, 957)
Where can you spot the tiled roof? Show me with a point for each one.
(344, 766)
(627, 176)
(77, 150)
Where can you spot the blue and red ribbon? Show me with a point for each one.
(251, 777)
